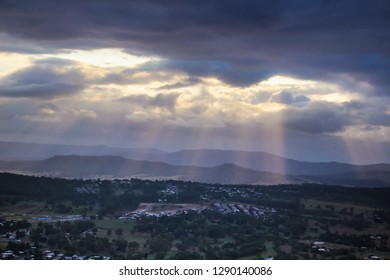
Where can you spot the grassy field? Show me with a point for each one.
(114, 224)
(24, 207)
(3, 243)
(119, 192)
(338, 207)
(344, 212)
(105, 225)
(269, 250)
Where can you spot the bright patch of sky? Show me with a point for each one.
(105, 57)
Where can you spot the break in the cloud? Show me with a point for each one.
(254, 75)
(286, 97)
(164, 101)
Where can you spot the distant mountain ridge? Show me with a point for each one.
(35, 151)
(244, 163)
(119, 167)
(262, 161)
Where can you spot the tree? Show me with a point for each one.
(133, 246)
(121, 245)
(119, 232)
(216, 233)
(160, 247)
(187, 256)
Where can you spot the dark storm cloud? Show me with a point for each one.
(318, 117)
(372, 113)
(45, 79)
(142, 18)
(240, 42)
(234, 72)
(164, 101)
(326, 117)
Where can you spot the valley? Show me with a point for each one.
(55, 218)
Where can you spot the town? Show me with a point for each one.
(58, 219)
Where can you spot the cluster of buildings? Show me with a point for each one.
(63, 218)
(154, 210)
(169, 191)
(10, 231)
(50, 255)
(250, 210)
(323, 247)
(88, 189)
(33, 253)
(235, 191)
(16, 235)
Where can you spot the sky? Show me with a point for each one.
(304, 79)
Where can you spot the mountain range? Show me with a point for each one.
(209, 166)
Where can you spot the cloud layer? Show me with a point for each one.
(239, 42)
(46, 79)
(228, 74)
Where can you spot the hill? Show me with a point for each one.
(262, 161)
(185, 164)
(119, 167)
(34, 151)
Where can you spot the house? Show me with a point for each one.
(49, 256)
(7, 256)
(12, 236)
